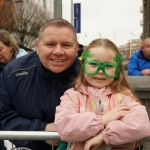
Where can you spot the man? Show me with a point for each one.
(31, 86)
(80, 51)
(139, 63)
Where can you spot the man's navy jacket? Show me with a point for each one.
(29, 94)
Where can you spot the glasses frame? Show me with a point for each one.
(101, 66)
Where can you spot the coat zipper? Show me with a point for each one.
(100, 106)
(53, 97)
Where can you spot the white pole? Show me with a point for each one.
(130, 46)
(72, 13)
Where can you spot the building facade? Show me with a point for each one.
(128, 49)
(145, 9)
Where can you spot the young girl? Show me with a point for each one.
(101, 109)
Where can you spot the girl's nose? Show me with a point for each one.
(100, 71)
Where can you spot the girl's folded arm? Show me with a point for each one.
(73, 125)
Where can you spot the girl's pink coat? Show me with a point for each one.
(79, 117)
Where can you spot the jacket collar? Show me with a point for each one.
(89, 90)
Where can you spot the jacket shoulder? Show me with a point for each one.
(22, 63)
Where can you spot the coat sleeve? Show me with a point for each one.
(133, 67)
(10, 118)
(130, 128)
(72, 125)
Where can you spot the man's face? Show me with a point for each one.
(57, 49)
(146, 48)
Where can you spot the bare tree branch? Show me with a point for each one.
(23, 20)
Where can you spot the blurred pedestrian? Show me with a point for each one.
(80, 51)
(139, 63)
(9, 50)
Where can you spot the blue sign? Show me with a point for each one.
(77, 17)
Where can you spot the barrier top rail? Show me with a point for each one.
(29, 135)
(35, 135)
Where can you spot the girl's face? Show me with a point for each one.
(102, 55)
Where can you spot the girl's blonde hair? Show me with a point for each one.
(120, 83)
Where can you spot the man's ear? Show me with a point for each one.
(77, 48)
(77, 45)
(37, 46)
(142, 47)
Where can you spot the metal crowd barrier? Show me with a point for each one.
(28, 135)
(35, 135)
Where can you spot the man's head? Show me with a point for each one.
(57, 45)
(146, 48)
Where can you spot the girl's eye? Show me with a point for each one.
(108, 66)
(93, 64)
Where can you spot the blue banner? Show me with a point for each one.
(77, 17)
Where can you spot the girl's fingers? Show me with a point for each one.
(123, 107)
(86, 147)
(55, 143)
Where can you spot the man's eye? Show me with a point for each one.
(50, 44)
(67, 46)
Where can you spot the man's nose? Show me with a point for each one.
(58, 50)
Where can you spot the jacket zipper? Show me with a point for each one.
(99, 104)
(53, 96)
(97, 101)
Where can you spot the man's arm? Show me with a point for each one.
(146, 72)
(10, 119)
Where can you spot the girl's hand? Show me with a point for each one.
(51, 127)
(94, 142)
(115, 113)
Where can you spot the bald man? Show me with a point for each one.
(139, 63)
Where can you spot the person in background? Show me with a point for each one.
(139, 63)
(101, 109)
(9, 50)
(31, 86)
(80, 51)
